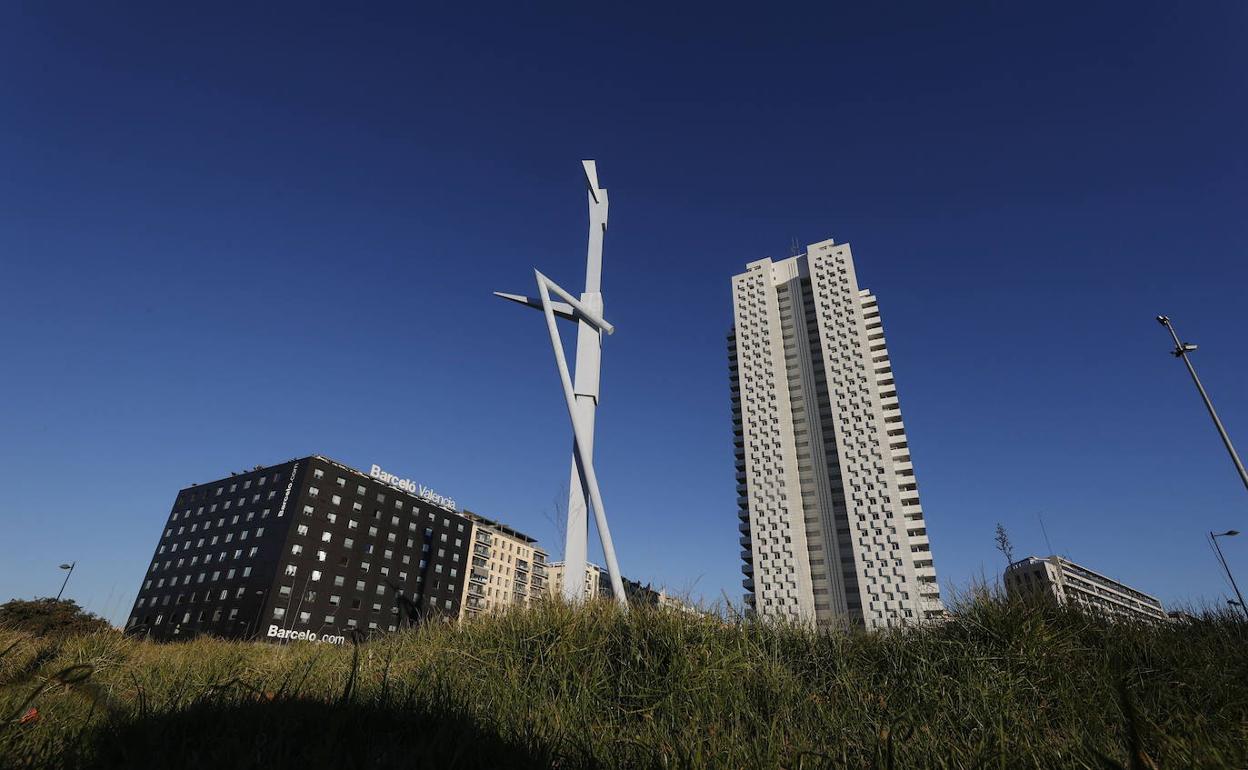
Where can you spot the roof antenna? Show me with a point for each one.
(1047, 544)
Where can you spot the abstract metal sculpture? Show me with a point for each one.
(581, 397)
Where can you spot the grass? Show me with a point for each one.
(1003, 684)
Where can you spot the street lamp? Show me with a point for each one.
(260, 609)
(1181, 349)
(1213, 538)
(69, 567)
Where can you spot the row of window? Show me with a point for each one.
(229, 538)
(224, 555)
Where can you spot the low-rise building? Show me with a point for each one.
(1072, 584)
(598, 586)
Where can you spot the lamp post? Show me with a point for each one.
(1213, 538)
(69, 567)
(260, 609)
(1181, 349)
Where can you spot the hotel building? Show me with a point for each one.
(831, 529)
(308, 549)
(508, 568)
(1070, 583)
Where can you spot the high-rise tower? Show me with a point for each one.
(831, 527)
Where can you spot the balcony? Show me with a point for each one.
(484, 537)
(481, 550)
(745, 541)
(747, 555)
(475, 589)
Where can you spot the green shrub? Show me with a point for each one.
(45, 617)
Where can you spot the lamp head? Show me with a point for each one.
(1228, 533)
(1163, 320)
(67, 566)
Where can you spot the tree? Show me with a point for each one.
(49, 617)
(1004, 545)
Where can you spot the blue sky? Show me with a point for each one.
(240, 235)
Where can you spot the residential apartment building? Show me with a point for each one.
(598, 585)
(831, 529)
(508, 568)
(1070, 583)
(306, 549)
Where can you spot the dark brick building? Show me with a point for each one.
(308, 549)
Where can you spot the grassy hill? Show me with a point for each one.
(1001, 685)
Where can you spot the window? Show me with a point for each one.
(246, 573)
(355, 605)
(316, 575)
(283, 590)
(291, 569)
(336, 500)
(326, 537)
(381, 590)
(334, 599)
(320, 555)
(353, 524)
(234, 614)
(338, 580)
(305, 616)
(296, 549)
(348, 543)
(329, 618)
(318, 474)
(302, 529)
(359, 585)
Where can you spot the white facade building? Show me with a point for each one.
(1079, 586)
(831, 528)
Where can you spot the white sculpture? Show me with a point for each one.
(582, 397)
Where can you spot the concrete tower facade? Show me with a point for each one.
(832, 532)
